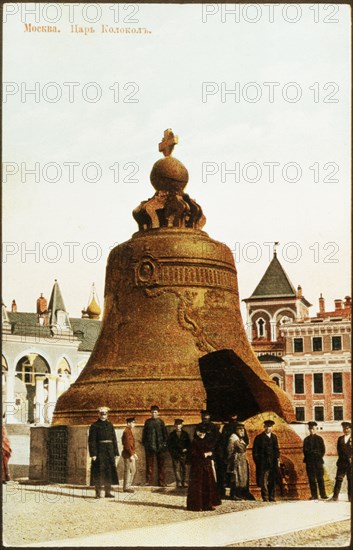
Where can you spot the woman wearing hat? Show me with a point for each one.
(202, 492)
(238, 466)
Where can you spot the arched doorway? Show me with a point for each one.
(64, 375)
(28, 369)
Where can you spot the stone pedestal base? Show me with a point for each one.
(60, 454)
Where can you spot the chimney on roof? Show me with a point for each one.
(322, 304)
(347, 301)
(299, 292)
(338, 304)
(14, 306)
(42, 305)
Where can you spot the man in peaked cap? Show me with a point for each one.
(178, 445)
(344, 462)
(266, 457)
(129, 454)
(103, 449)
(314, 451)
(154, 439)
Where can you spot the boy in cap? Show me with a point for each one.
(178, 445)
(266, 457)
(103, 449)
(129, 455)
(314, 450)
(154, 439)
(344, 462)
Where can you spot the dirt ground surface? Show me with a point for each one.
(46, 513)
(333, 535)
(50, 513)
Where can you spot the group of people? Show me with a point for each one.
(217, 459)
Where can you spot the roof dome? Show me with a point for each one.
(93, 310)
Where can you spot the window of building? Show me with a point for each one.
(338, 412)
(298, 345)
(319, 413)
(299, 383)
(276, 380)
(337, 382)
(261, 330)
(336, 343)
(300, 414)
(317, 343)
(318, 382)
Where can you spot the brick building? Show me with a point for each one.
(309, 357)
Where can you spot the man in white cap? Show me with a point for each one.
(103, 448)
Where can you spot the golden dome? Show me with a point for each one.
(93, 310)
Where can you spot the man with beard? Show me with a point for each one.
(103, 449)
(154, 439)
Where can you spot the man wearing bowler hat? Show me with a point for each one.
(266, 457)
(154, 439)
(344, 462)
(314, 450)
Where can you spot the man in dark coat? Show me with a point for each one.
(266, 457)
(154, 439)
(202, 492)
(314, 450)
(103, 448)
(344, 462)
(178, 445)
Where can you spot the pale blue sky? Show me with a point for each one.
(169, 66)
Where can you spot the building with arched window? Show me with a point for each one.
(43, 353)
(309, 357)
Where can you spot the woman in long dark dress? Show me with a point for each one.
(202, 492)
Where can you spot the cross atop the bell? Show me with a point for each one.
(168, 142)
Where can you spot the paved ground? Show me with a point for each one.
(62, 517)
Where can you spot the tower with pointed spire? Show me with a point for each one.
(59, 321)
(274, 302)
